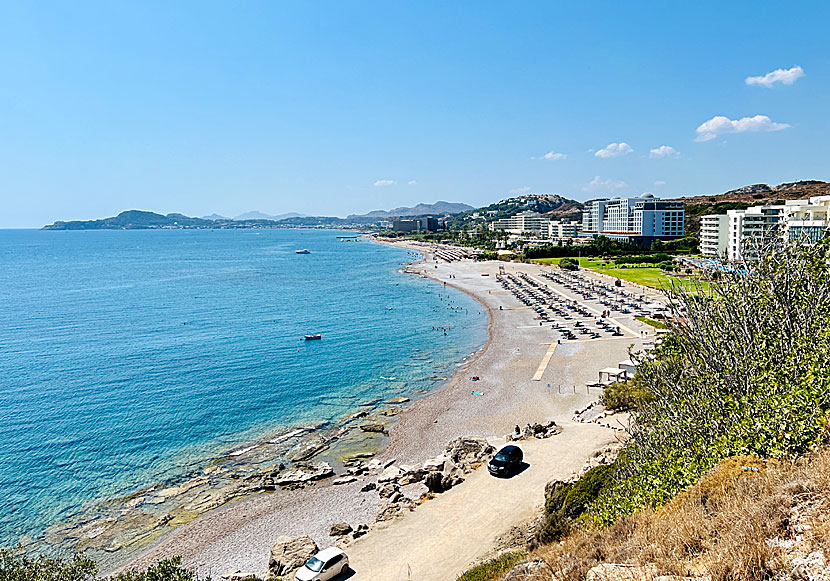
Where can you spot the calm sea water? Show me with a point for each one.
(131, 357)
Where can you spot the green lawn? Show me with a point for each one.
(646, 276)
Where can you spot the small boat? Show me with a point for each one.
(315, 337)
(303, 251)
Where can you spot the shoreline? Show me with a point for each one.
(342, 436)
(239, 535)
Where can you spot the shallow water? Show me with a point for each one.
(130, 358)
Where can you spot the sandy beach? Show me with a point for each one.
(525, 377)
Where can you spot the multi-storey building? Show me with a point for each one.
(524, 223)
(424, 224)
(643, 219)
(714, 235)
(533, 225)
(747, 231)
(562, 229)
(807, 220)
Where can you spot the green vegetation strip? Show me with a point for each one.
(494, 569)
(652, 322)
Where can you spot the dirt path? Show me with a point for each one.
(444, 536)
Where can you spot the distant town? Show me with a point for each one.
(726, 226)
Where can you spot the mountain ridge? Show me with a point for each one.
(439, 207)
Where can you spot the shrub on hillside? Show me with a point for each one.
(568, 501)
(16, 567)
(624, 396)
(746, 370)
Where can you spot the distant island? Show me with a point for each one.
(142, 220)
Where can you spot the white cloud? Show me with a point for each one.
(519, 190)
(597, 184)
(663, 151)
(614, 150)
(381, 183)
(659, 183)
(412, 183)
(786, 77)
(554, 156)
(719, 125)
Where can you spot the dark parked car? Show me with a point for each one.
(508, 459)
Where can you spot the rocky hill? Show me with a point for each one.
(552, 206)
(754, 195)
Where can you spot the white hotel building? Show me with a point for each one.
(643, 219)
(737, 234)
(532, 224)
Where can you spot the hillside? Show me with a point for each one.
(549, 205)
(133, 219)
(741, 198)
(439, 207)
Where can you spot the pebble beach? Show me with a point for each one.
(238, 536)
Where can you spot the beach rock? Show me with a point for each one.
(368, 486)
(467, 451)
(288, 555)
(393, 510)
(344, 480)
(390, 473)
(301, 475)
(434, 482)
(378, 428)
(435, 464)
(360, 530)
(340, 529)
(387, 489)
(530, 571)
(395, 400)
(374, 465)
(412, 476)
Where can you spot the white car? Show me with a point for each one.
(325, 565)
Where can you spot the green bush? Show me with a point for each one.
(15, 567)
(494, 569)
(569, 264)
(568, 502)
(624, 396)
(745, 371)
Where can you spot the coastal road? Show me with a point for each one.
(441, 538)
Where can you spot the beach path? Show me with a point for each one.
(444, 536)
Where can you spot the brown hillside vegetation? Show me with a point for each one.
(754, 195)
(747, 519)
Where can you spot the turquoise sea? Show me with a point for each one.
(129, 358)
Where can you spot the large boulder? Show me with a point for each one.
(435, 482)
(340, 529)
(288, 555)
(466, 451)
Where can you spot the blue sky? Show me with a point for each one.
(340, 107)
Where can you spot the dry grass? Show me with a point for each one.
(729, 526)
